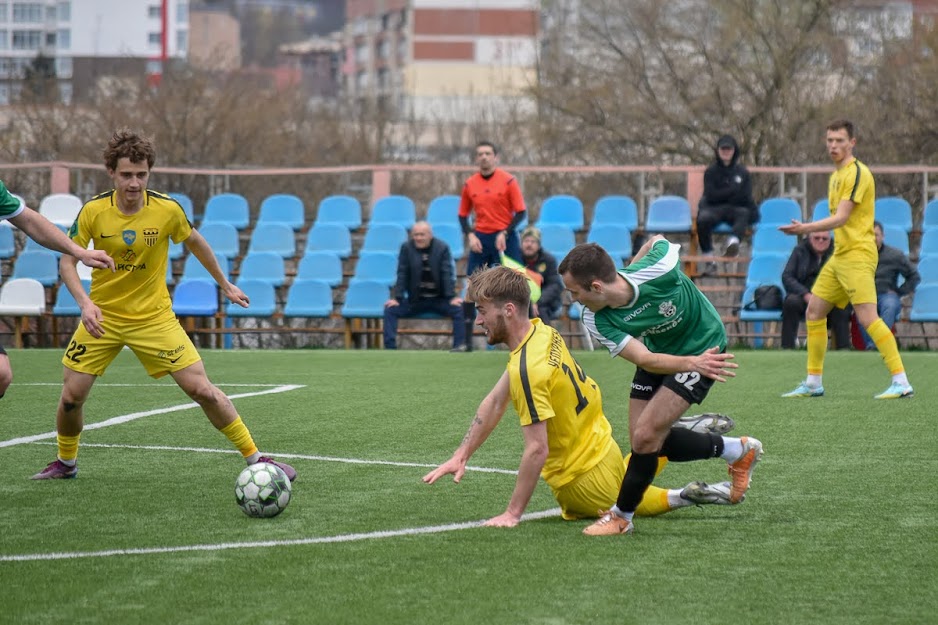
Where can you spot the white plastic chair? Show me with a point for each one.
(60, 208)
(22, 298)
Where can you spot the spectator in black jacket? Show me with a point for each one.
(798, 277)
(425, 284)
(542, 268)
(727, 198)
(892, 264)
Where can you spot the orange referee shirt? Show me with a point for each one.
(495, 200)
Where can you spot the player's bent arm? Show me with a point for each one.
(711, 363)
(69, 273)
(197, 244)
(529, 471)
(45, 232)
(646, 246)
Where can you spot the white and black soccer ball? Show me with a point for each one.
(263, 490)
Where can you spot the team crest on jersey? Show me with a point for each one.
(667, 309)
(130, 236)
(129, 256)
(150, 235)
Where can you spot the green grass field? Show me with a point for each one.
(838, 527)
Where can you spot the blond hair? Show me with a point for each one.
(499, 285)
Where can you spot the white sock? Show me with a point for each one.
(900, 378)
(625, 515)
(253, 458)
(813, 380)
(676, 501)
(68, 463)
(732, 449)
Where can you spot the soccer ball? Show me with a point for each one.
(263, 490)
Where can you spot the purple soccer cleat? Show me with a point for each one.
(57, 470)
(290, 471)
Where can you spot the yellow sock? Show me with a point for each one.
(886, 344)
(239, 435)
(654, 502)
(68, 447)
(817, 346)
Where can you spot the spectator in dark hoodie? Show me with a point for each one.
(727, 198)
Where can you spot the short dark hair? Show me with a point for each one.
(843, 124)
(879, 224)
(126, 143)
(488, 144)
(587, 262)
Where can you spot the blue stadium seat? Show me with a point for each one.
(765, 269)
(925, 303)
(558, 240)
(222, 238)
(378, 266)
(192, 269)
(394, 209)
(386, 237)
(893, 211)
(771, 240)
(195, 298)
(7, 241)
(896, 237)
(33, 246)
(228, 208)
(930, 218)
(822, 210)
(928, 269)
(929, 246)
(308, 298)
(322, 266)
(668, 213)
(329, 237)
(275, 237)
(340, 209)
(778, 211)
(282, 208)
(562, 210)
(40, 265)
(186, 202)
(616, 239)
(365, 299)
(65, 304)
(176, 250)
(453, 236)
(755, 314)
(443, 209)
(616, 209)
(263, 266)
(262, 297)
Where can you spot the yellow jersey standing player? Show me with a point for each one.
(849, 274)
(132, 306)
(567, 438)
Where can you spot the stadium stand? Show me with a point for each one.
(616, 239)
(558, 240)
(771, 240)
(930, 216)
(821, 210)
(616, 210)
(195, 298)
(262, 296)
(778, 211)
(322, 266)
(192, 269)
(222, 238)
(562, 210)
(443, 209)
(929, 245)
(897, 237)
(394, 209)
(378, 266)
(60, 208)
(340, 209)
(277, 237)
(308, 298)
(186, 202)
(329, 237)
(894, 211)
(22, 298)
(363, 309)
(668, 213)
(453, 236)
(40, 265)
(7, 241)
(262, 267)
(928, 269)
(384, 237)
(766, 269)
(282, 208)
(228, 208)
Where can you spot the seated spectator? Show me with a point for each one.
(727, 198)
(892, 264)
(542, 268)
(425, 284)
(802, 269)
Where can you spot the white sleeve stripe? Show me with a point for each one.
(589, 320)
(668, 262)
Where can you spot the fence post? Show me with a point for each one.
(59, 179)
(380, 185)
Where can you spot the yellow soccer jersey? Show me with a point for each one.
(139, 245)
(548, 385)
(854, 182)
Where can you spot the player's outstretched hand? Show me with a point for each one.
(91, 318)
(795, 227)
(505, 519)
(236, 295)
(715, 365)
(453, 465)
(99, 259)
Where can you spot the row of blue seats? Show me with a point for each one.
(774, 241)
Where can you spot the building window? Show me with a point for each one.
(4, 40)
(182, 41)
(182, 12)
(4, 94)
(64, 39)
(27, 39)
(65, 11)
(51, 13)
(154, 11)
(384, 49)
(27, 12)
(65, 91)
(154, 39)
(3, 12)
(63, 66)
(6, 67)
(50, 40)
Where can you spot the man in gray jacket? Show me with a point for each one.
(892, 264)
(425, 284)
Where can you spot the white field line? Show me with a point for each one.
(169, 384)
(342, 538)
(147, 413)
(206, 450)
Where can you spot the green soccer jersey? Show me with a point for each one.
(10, 205)
(668, 311)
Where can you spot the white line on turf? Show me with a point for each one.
(342, 538)
(147, 413)
(170, 384)
(280, 455)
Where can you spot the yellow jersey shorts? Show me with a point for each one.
(598, 488)
(162, 345)
(847, 279)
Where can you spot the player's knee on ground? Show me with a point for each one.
(6, 377)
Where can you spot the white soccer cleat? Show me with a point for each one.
(702, 493)
(706, 422)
